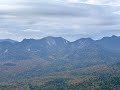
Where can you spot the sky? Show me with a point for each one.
(70, 19)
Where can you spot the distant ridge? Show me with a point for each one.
(88, 38)
(58, 46)
(53, 54)
(52, 37)
(8, 40)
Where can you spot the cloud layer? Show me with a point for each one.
(71, 19)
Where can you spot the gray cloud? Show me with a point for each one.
(37, 19)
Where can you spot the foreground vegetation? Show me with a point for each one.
(103, 77)
(99, 83)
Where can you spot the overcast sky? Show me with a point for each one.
(71, 19)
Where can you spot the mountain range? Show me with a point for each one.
(54, 63)
(55, 46)
(54, 54)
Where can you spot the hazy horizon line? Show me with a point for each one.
(58, 37)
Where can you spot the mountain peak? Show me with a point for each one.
(28, 40)
(114, 36)
(112, 42)
(51, 37)
(86, 39)
(8, 40)
(54, 40)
